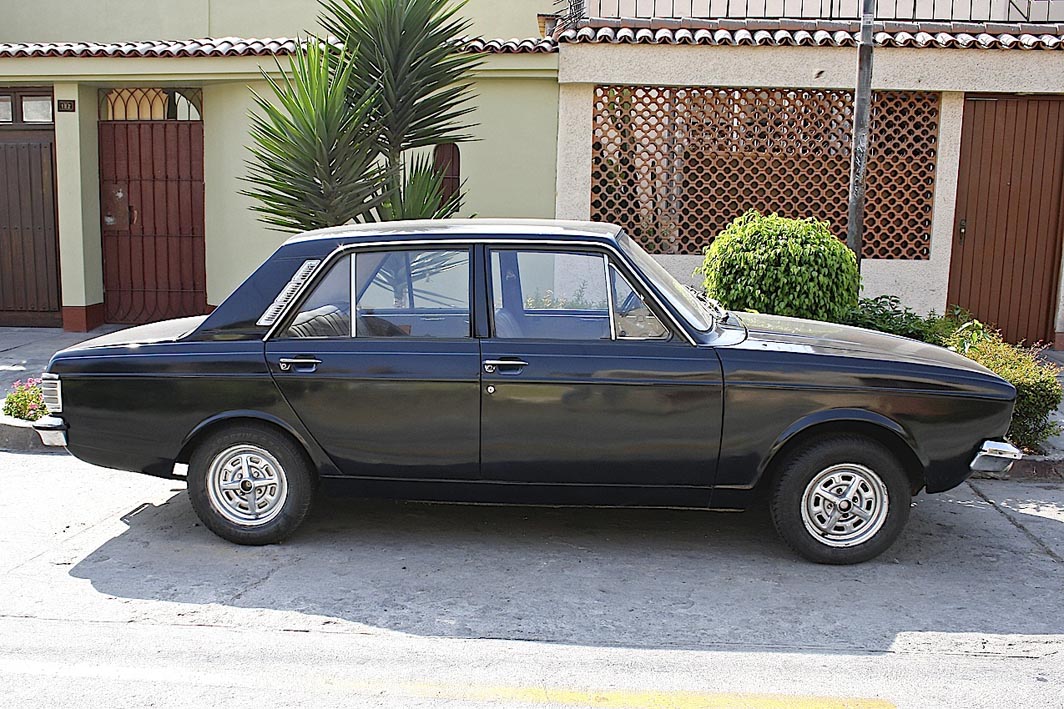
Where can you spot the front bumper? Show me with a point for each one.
(995, 457)
(52, 430)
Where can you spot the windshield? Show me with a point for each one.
(684, 300)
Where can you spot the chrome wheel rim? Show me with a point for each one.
(845, 505)
(246, 485)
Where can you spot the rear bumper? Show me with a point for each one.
(52, 430)
(995, 457)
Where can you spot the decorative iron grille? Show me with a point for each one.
(674, 166)
(151, 104)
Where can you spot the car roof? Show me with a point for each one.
(451, 228)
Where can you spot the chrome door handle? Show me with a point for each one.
(288, 362)
(491, 365)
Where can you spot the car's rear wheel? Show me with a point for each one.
(250, 484)
(840, 499)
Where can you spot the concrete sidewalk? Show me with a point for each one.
(25, 351)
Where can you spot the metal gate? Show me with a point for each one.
(1008, 229)
(29, 249)
(151, 178)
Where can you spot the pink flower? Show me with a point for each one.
(33, 407)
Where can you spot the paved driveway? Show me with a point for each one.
(110, 589)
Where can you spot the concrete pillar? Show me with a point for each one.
(575, 111)
(78, 203)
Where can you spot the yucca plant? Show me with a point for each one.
(315, 159)
(392, 79)
(419, 194)
(410, 50)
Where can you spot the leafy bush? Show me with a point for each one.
(1038, 391)
(770, 264)
(886, 314)
(25, 401)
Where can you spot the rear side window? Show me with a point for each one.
(412, 293)
(396, 293)
(326, 312)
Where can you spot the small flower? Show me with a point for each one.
(33, 407)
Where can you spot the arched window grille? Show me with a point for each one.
(151, 104)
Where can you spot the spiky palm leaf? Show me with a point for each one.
(314, 159)
(420, 194)
(409, 49)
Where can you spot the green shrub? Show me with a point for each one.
(25, 401)
(1038, 391)
(770, 264)
(885, 313)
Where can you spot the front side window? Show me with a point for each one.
(550, 295)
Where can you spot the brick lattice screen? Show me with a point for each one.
(674, 165)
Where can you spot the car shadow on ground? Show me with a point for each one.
(633, 578)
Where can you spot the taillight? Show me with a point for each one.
(52, 392)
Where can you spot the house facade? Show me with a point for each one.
(669, 117)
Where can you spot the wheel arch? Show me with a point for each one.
(215, 423)
(846, 421)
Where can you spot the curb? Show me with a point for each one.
(18, 435)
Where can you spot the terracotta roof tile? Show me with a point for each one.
(233, 47)
(814, 33)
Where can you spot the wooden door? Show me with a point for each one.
(29, 249)
(1007, 234)
(151, 179)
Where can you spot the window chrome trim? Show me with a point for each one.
(609, 296)
(469, 242)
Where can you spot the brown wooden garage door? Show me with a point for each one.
(29, 249)
(1007, 234)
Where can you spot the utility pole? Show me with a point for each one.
(862, 102)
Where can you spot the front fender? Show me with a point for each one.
(842, 418)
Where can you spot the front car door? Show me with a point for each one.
(380, 364)
(584, 384)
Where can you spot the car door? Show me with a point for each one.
(379, 363)
(584, 384)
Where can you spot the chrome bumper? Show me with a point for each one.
(995, 457)
(52, 430)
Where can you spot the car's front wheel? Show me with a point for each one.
(840, 499)
(250, 484)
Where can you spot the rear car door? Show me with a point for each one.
(583, 383)
(379, 362)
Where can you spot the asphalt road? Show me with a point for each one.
(112, 594)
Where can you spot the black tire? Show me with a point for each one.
(814, 461)
(219, 509)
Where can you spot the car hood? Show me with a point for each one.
(827, 338)
(163, 331)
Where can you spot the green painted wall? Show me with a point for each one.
(124, 20)
(509, 169)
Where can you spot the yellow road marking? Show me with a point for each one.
(625, 699)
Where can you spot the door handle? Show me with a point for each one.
(492, 365)
(287, 363)
(963, 229)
